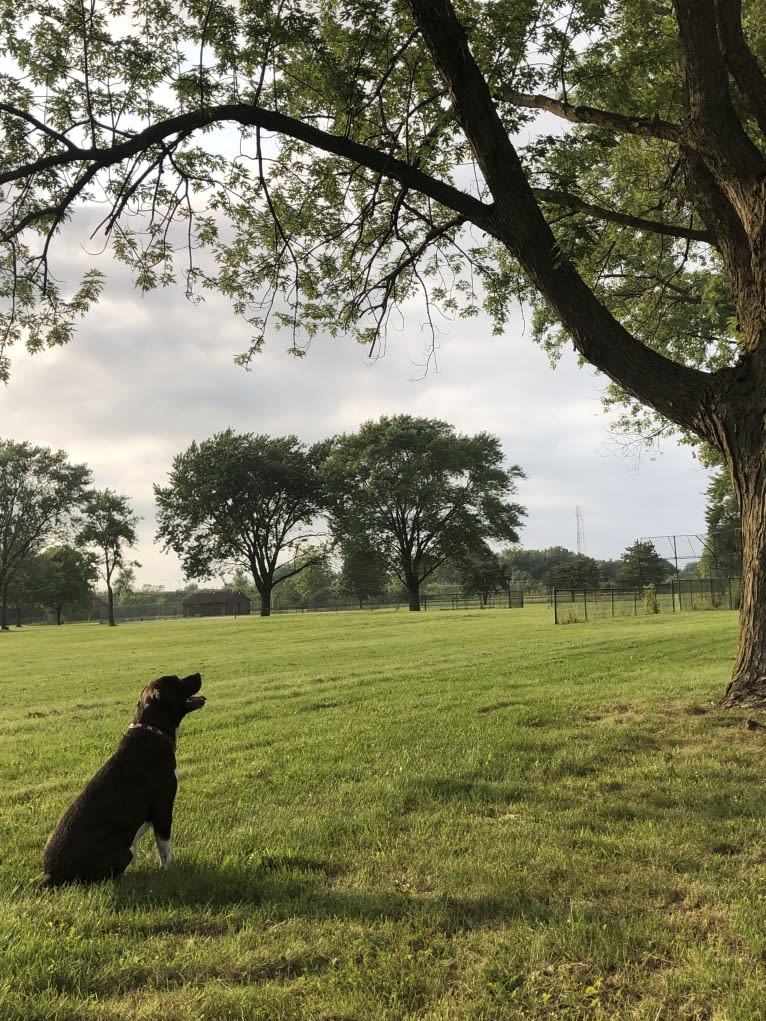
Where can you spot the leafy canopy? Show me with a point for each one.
(319, 154)
(418, 494)
(242, 500)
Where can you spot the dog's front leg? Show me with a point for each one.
(165, 847)
(162, 822)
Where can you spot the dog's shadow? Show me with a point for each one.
(290, 886)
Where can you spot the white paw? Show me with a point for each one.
(166, 851)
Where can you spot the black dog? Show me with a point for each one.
(96, 837)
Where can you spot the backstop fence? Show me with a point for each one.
(574, 606)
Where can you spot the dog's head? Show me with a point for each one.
(167, 700)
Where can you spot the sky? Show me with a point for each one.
(147, 374)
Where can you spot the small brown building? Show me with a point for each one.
(221, 603)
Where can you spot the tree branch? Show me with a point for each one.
(649, 127)
(714, 128)
(569, 201)
(253, 116)
(676, 391)
(742, 64)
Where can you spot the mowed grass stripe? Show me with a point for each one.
(444, 815)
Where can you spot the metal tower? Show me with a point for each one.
(580, 529)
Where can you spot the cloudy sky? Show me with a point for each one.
(147, 374)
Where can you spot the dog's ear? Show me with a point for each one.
(146, 696)
(152, 692)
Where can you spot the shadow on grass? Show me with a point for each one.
(289, 887)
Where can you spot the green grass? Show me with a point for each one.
(392, 816)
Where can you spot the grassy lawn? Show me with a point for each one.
(391, 816)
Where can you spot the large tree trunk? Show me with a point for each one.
(413, 587)
(266, 602)
(748, 683)
(110, 605)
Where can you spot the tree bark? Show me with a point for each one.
(110, 605)
(748, 684)
(266, 602)
(413, 587)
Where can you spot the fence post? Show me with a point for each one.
(555, 607)
(611, 590)
(635, 602)
(585, 602)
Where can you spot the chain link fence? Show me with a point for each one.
(574, 606)
(124, 613)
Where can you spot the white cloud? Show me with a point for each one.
(146, 375)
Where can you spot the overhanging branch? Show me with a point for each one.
(101, 158)
(649, 127)
(578, 205)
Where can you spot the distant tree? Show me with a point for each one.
(608, 570)
(248, 501)
(723, 542)
(690, 570)
(62, 576)
(39, 492)
(575, 572)
(519, 579)
(109, 525)
(242, 581)
(446, 576)
(482, 573)
(125, 584)
(316, 585)
(642, 565)
(363, 572)
(535, 563)
(419, 494)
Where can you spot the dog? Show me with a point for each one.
(96, 837)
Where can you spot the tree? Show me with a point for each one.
(482, 573)
(419, 494)
(61, 576)
(642, 565)
(575, 572)
(363, 573)
(722, 555)
(377, 161)
(243, 500)
(125, 583)
(39, 491)
(541, 565)
(109, 524)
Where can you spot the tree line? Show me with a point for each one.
(57, 532)
(512, 568)
(402, 496)
(380, 511)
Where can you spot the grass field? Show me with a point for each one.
(393, 816)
